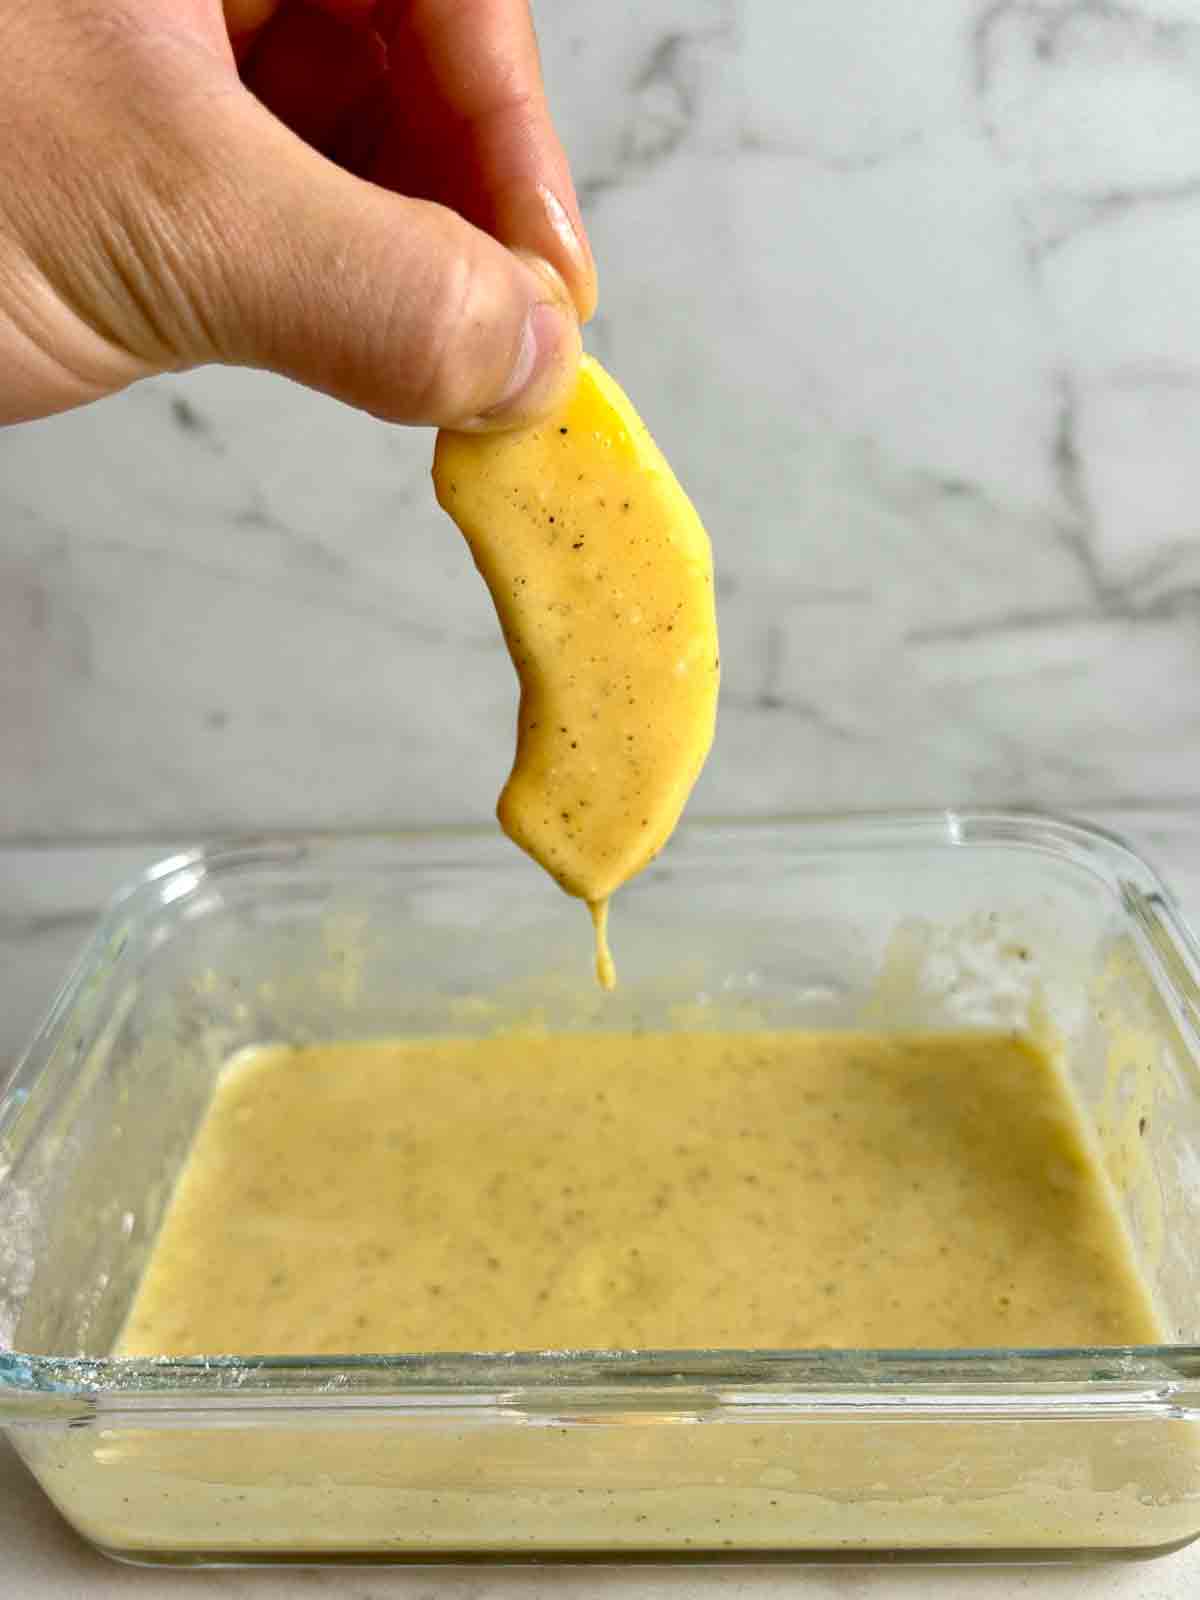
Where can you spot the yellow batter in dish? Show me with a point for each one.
(674, 1190)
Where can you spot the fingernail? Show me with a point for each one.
(545, 341)
(568, 237)
(546, 357)
(534, 324)
(534, 214)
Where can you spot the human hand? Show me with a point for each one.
(331, 189)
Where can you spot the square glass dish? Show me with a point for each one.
(945, 921)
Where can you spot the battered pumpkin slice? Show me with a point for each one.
(601, 574)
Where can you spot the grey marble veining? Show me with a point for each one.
(911, 301)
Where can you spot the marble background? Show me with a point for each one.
(910, 296)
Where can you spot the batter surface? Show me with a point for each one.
(663, 1190)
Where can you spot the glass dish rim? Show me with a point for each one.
(1158, 1380)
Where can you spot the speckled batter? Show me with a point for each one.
(670, 1190)
(601, 574)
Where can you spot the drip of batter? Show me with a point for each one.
(606, 972)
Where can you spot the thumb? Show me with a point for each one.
(397, 306)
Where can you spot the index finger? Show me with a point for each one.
(480, 58)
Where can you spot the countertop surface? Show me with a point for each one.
(49, 898)
(909, 296)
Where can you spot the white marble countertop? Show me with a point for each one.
(48, 900)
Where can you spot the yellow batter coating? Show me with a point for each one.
(601, 574)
